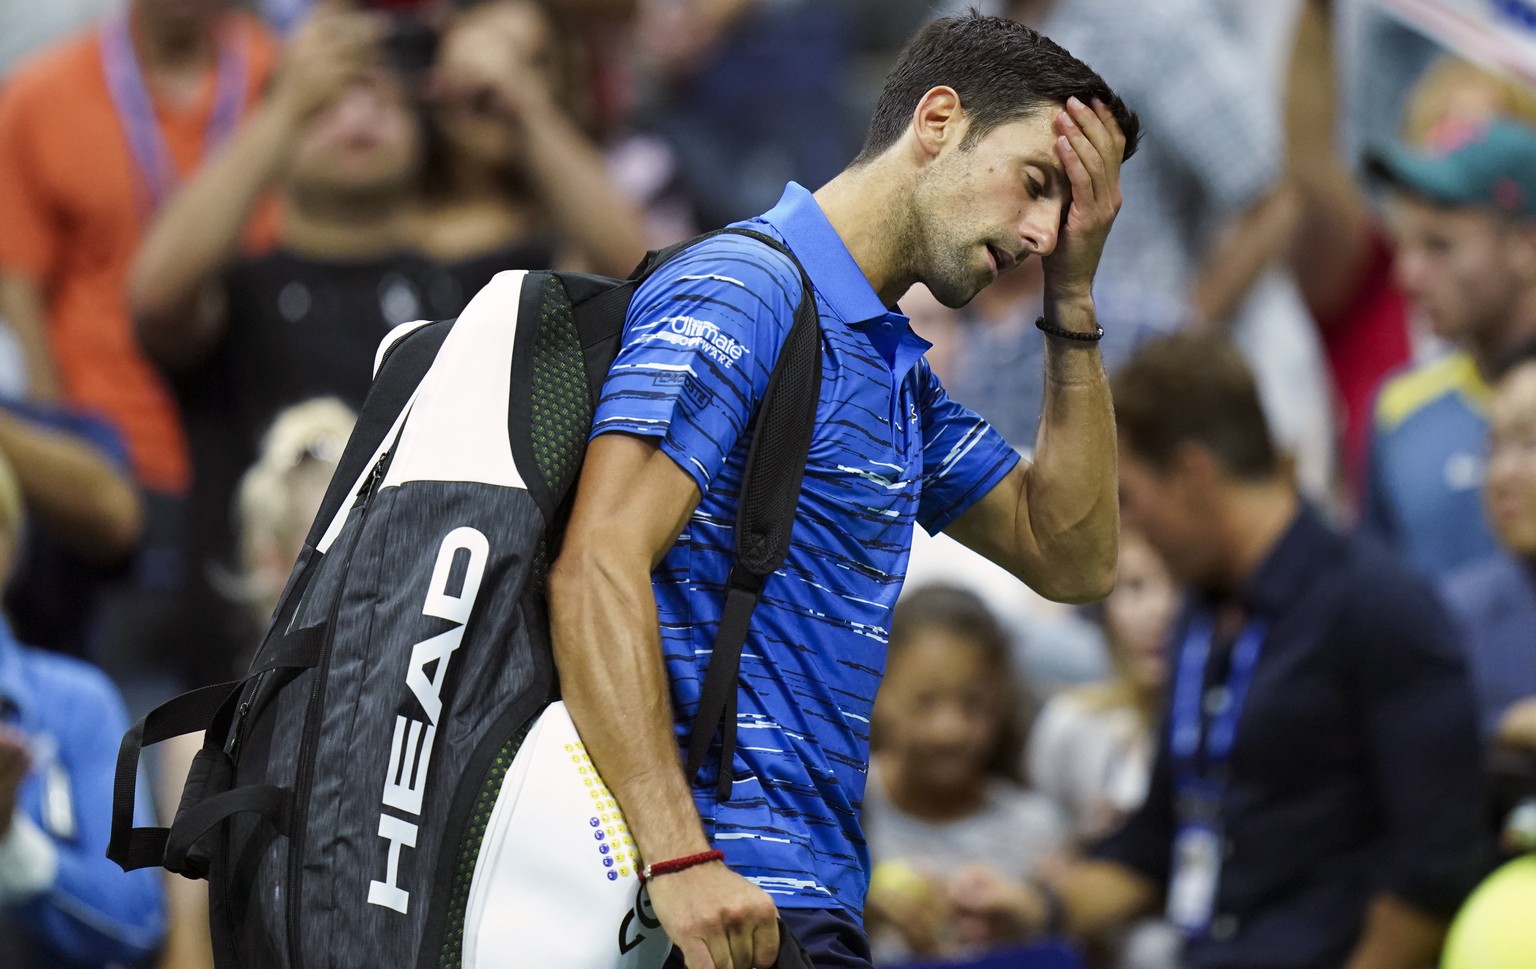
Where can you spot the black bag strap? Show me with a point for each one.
(770, 490)
(206, 708)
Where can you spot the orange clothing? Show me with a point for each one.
(70, 222)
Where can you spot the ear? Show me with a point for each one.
(938, 121)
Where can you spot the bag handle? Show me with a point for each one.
(208, 708)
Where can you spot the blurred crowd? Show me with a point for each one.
(1320, 311)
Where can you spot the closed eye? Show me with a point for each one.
(1035, 189)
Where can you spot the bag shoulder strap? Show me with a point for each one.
(770, 491)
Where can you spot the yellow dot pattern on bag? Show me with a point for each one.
(616, 851)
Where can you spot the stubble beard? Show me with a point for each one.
(938, 256)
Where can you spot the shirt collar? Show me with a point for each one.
(1285, 572)
(837, 278)
(1291, 565)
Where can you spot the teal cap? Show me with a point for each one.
(1490, 166)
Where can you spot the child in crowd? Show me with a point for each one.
(1091, 749)
(944, 789)
(282, 491)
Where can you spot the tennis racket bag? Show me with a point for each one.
(394, 784)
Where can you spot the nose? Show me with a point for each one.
(1040, 226)
(949, 724)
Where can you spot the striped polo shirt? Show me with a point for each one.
(890, 449)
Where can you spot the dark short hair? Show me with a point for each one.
(1002, 71)
(962, 614)
(1189, 388)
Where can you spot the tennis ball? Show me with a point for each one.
(1495, 928)
(899, 880)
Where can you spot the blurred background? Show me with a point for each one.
(212, 211)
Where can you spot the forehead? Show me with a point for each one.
(1411, 214)
(1034, 132)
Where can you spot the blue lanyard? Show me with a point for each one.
(136, 110)
(1189, 726)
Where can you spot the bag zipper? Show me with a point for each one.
(306, 766)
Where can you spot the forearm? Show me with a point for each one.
(197, 235)
(1070, 492)
(1245, 248)
(1397, 936)
(586, 206)
(1098, 895)
(78, 497)
(22, 304)
(614, 683)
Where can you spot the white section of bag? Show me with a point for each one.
(556, 885)
(457, 429)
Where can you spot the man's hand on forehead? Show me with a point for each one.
(1090, 145)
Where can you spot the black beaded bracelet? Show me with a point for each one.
(1078, 335)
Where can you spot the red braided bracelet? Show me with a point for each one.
(679, 864)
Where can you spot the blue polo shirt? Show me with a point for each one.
(1427, 458)
(890, 449)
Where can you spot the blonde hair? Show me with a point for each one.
(302, 447)
(1432, 104)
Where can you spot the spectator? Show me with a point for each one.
(244, 336)
(86, 522)
(1313, 800)
(1494, 600)
(282, 491)
(94, 134)
(1463, 221)
(63, 905)
(514, 183)
(944, 788)
(1342, 258)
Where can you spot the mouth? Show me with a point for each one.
(1001, 261)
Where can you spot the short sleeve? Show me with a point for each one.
(700, 341)
(963, 457)
(29, 244)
